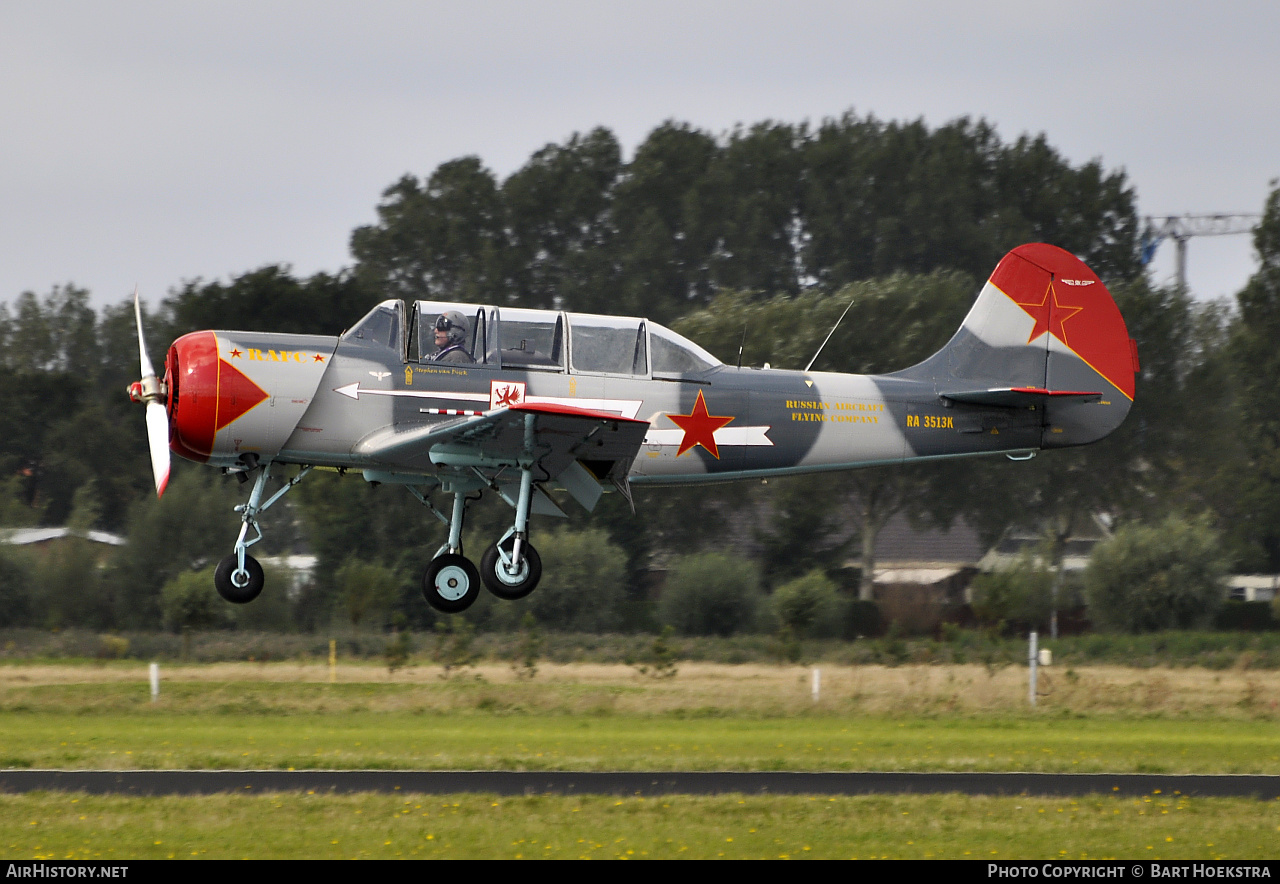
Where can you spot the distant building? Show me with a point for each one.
(298, 568)
(1253, 587)
(1075, 556)
(940, 561)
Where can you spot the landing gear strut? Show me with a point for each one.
(239, 578)
(451, 583)
(511, 568)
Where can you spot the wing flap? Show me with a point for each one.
(552, 437)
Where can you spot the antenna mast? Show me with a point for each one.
(828, 337)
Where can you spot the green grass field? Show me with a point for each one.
(58, 826)
(541, 741)
(707, 717)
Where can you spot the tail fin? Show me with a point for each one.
(1044, 333)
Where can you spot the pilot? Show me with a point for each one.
(451, 336)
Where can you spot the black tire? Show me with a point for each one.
(451, 583)
(227, 588)
(503, 586)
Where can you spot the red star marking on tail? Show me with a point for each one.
(699, 427)
(1049, 315)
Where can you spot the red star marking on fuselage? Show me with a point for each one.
(1049, 315)
(699, 427)
(318, 358)
(235, 354)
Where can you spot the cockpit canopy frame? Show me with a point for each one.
(535, 340)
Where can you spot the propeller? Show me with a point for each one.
(152, 392)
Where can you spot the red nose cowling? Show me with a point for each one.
(205, 394)
(192, 368)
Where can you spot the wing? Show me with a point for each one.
(575, 447)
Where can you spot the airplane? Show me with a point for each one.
(465, 398)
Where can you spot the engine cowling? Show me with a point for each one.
(193, 376)
(232, 393)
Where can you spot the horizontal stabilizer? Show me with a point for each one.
(1018, 397)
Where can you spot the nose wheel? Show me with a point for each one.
(451, 583)
(238, 585)
(241, 583)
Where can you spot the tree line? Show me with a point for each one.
(758, 238)
(773, 208)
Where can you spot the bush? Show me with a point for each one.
(189, 602)
(1245, 616)
(68, 588)
(809, 606)
(1148, 578)
(584, 579)
(365, 591)
(190, 528)
(1021, 594)
(274, 610)
(15, 588)
(113, 647)
(710, 594)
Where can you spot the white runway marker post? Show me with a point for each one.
(1032, 660)
(155, 681)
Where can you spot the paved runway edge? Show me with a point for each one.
(204, 782)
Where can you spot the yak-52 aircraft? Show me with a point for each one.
(460, 398)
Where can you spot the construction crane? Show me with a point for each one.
(1182, 227)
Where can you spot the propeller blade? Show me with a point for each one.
(157, 415)
(158, 442)
(144, 359)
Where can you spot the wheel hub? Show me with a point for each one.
(512, 576)
(452, 583)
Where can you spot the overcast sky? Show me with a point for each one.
(153, 142)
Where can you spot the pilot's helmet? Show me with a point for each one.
(454, 325)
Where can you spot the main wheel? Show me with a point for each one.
(505, 584)
(451, 583)
(236, 586)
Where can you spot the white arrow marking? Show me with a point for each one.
(354, 391)
(623, 407)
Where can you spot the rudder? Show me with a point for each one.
(1044, 333)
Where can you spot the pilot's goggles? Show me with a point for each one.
(443, 324)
